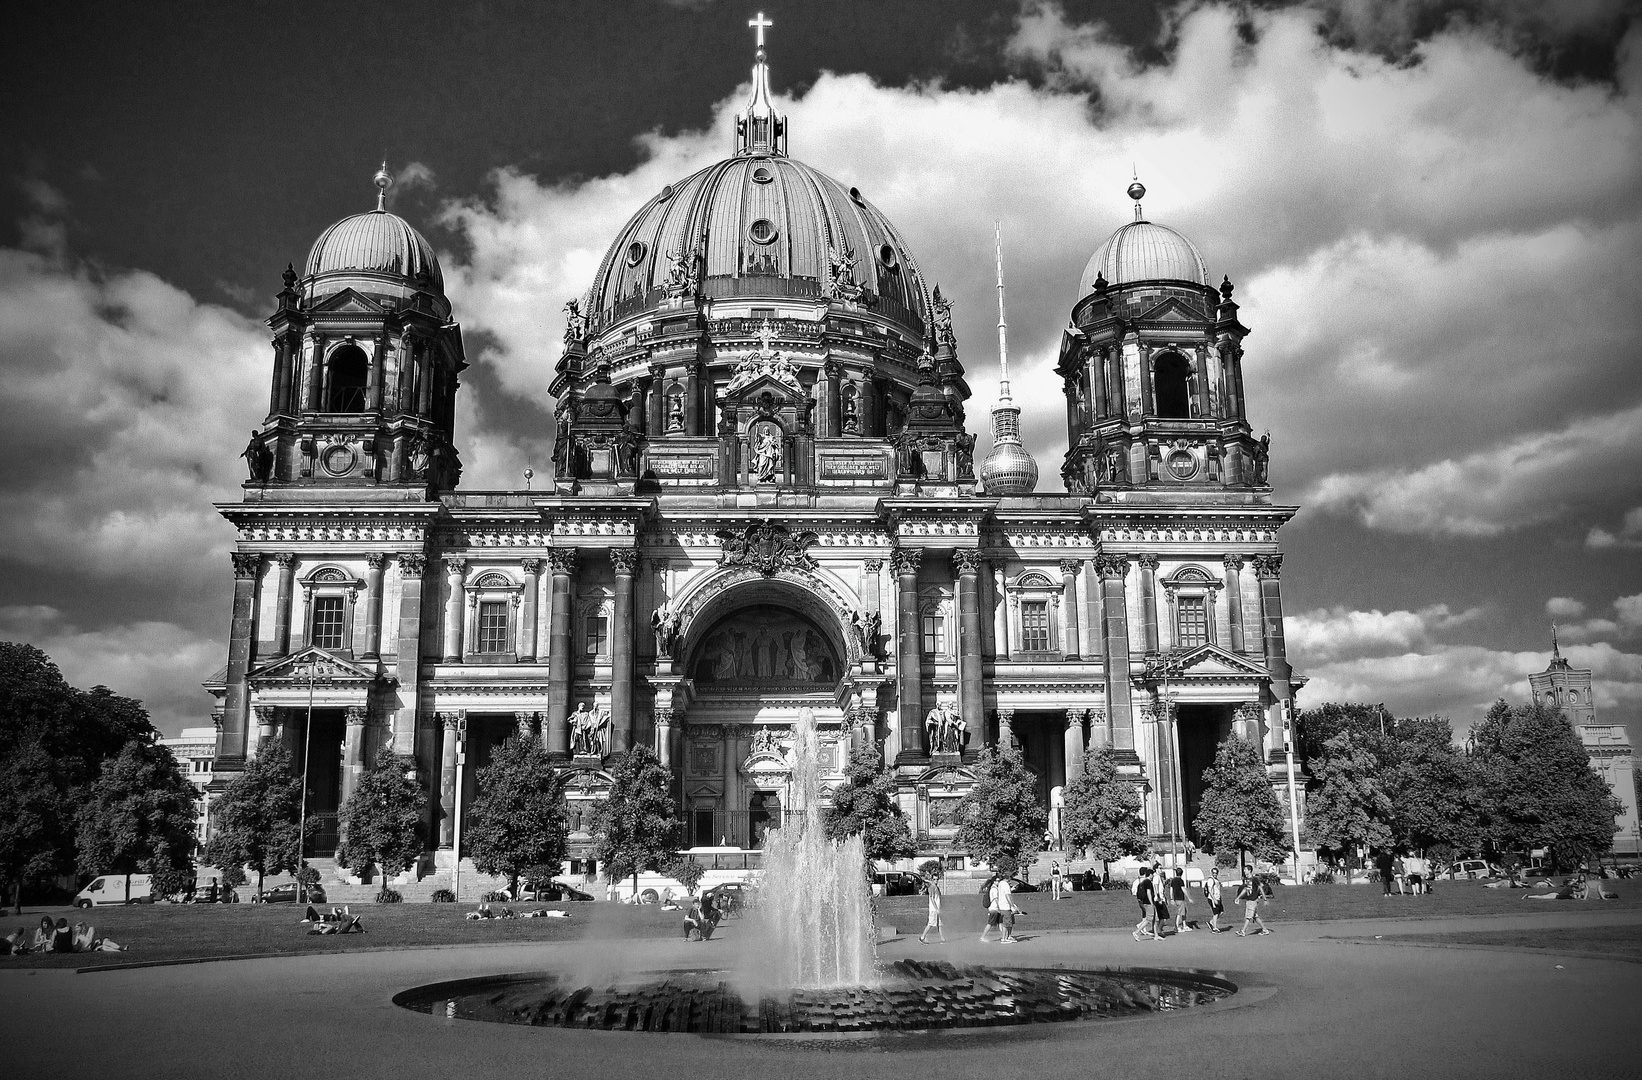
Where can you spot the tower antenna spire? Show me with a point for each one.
(1003, 323)
(1008, 468)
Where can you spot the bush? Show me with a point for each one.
(1323, 875)
(932, 868)
(169, 883)
(388, 896)
(685, 870)
(307, 875)
(494, 896)
(443, 896)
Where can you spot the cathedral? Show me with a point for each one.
(765, 498)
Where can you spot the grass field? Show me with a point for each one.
(1617, 941)
(160, 932)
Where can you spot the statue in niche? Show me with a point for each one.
(675, 411)
(1117, 468)
(418, 459)
(259, 460)
(666, 623)
(587, 731)
(966, 454)
(1262, 458)
(945, 729)
(767, 454)
(851, 411)
(627, 452)
(868, 625)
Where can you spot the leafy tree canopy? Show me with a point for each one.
(36, 828)
(1433, 789)
(79, 729)
(138, 816)
(1239, 811)
(637, 826)
(518, 820)
(865, 803)
(1101, 812)
(382, 819)
(254, 821)
(1349, 807)
(1537, 785)
(1000, 819)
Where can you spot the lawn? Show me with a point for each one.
(1616, 941)
(159, 932)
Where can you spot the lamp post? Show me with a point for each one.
(302, 815)
(456, 824)
(1177, 804)
(1287, 707)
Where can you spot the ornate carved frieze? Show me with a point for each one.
(333, 531)
(1268, 566)
(767, 548)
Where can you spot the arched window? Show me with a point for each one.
(1172, 376)
(348, 368)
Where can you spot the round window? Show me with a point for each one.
(666, 193)
(762, 175)
(338, 460)
(1182, 465)
(886, 255)
(636, 252)
(855, 194)
(763, 231)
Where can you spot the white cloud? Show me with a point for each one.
(1630, 610)
(1629, 536)
(1326, 634)
(1563, 607)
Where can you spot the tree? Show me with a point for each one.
(138, 816)
(1239, 811)
(35, 826)
(518, 819)
(1349, 809)
(1537, 787)
(637, 825)
(1000, 818)
(684, 870)
(382, 820)
(1373, 725)
(254, 821)
(865, 803)
(1433, 789)
(1100, 815)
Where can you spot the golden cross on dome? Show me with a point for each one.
(760, 24)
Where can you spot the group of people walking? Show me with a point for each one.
(1156, 891)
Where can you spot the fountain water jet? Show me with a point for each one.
(814, 896)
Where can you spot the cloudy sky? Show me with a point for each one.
(1432, 211)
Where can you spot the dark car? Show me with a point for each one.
(897, 883)
(287, 894)
(550, 891)
(1017, 885)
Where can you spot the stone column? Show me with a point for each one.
(452, 723)
(1097, 731)
(1234, 600)
(1094, 362)
(527, 616)
(909, 657)
(1200, 367)
(242, 636)
(1268, 569)
(378, 373)
(286, 584)
(625, 560)
(455, 570)
(375, 562)
(664, 735)
(1074, 744)
(693, 421)
(1094, 644)
(656, 402)
(1070, 645)
(1000, 616)
(834, 419)
(1006, 729)
(1120, 715)
(967, 561)
(408, 658)
(563, 561)
(1148, 600)
(267, 722)
(353, 752)
(314, 357)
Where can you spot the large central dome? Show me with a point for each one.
(763, 225)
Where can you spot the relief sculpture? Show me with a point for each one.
(766, 645)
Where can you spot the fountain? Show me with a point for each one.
(814, 897)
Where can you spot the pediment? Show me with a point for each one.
(347, 301)
(317, 664)
(1211, 661)
(587, 782)
(780, 391)
(950, 777)
(1173, 309)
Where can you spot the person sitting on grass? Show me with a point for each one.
(1572, 889)
(86, 940)
(43, 935)
(697, 921)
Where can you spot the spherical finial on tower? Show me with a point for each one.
(383, 181)
(1137, 191)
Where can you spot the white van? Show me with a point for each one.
(110, 889)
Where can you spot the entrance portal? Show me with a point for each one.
(1202, 729)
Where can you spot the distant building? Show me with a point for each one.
(196, 753)
(1565, 687)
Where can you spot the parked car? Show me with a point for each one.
(287, 894)
(551, 891)
(1017, 885)
(1471, 870)
(896, 883)
(111, 889)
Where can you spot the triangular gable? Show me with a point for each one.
(349, 300)
(1212, 660)
(294, 669)
(1174, 309)
(778, 389)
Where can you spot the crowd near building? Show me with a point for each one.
(765, 497)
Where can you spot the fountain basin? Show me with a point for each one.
(910, 996)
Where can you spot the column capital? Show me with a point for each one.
(1070, 567)
(285, 559)
(246, 563)
(1146, 562)
(1112, 566)
(357, 716)
(413, 564)
(906, 561)
(967, 561)
(266, 714)
(1006, 715)
(456, 566)
(216, 720)
(1232, 563)
(625, 560)
(872, 566)
(1074, 717)
(563, 560)
(452, 720)
(532, 566)
(376, 560)
(1268, 567)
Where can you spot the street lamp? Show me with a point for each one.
(456, 807)
(311, 669)
(1177, 804)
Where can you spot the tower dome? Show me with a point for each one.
(376, 253)
(1143, 251)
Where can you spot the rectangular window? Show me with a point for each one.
(598, 634)
(327, 628)
(1193, 621)
(493, 626)
(762, 313)
(934, 635)
(703, 826)
(1035, 626)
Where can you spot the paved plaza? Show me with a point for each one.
(1316, 998)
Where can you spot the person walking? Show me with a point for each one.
(1249, 895)
(1177, 897)
(1386, 866)
(1056, 883)
(932, 888)
(989, 898)
(1399, 870)
(1145, 895)
(1212, 893)
(1004, 902)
